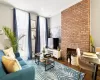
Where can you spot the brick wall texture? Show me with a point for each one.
(75, 29)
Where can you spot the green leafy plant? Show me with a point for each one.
(12, 38)
(58, 48)
(43, 50)
(92, 44)
(91, 41)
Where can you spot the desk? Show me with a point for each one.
(96, 62)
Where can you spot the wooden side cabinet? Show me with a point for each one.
(56, 54)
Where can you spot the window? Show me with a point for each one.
(42, 32)
(22, 27)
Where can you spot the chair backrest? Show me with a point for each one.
(78, 52)
(81, 63)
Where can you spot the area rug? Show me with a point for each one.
(59, 72)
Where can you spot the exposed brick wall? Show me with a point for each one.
(75, 29)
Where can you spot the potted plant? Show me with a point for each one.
(12, 38)
(43, 51)
(58, 48)
(92, 43)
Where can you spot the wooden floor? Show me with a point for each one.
(88, 74)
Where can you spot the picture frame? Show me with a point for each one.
(33, 29)
(33, 24)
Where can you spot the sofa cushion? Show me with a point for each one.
(17, 54)
(2, 70)
(19, 58)
(11, 65)
(22, 63)
(25, 66)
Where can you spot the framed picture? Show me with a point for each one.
(33, 34)
(33, 29)
(33, 24)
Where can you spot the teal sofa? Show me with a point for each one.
(27, 72)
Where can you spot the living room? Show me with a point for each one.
(49, 40)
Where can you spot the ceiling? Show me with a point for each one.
(47, 8)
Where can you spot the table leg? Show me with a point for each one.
(45, 64)
(95, 71)
(37, 60)
(51, 65)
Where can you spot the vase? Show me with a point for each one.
(42, 56)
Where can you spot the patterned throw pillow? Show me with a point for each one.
(9, 52)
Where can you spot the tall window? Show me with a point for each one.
(42, 21)
(22, 27)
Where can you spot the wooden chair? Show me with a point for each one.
(82, 63)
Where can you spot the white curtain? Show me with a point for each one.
(42, 21)
(22, 27)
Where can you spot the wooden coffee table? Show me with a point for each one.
(47, 61)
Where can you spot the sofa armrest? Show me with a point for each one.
(24, 74)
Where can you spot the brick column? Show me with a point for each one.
(75, 29)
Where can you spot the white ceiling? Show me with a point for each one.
(45, 8)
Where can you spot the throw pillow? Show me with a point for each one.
(11, 64)
(9, 52)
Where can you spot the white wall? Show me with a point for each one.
(6, 18)
(33, 16)
(95, 21)
(55, 25)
